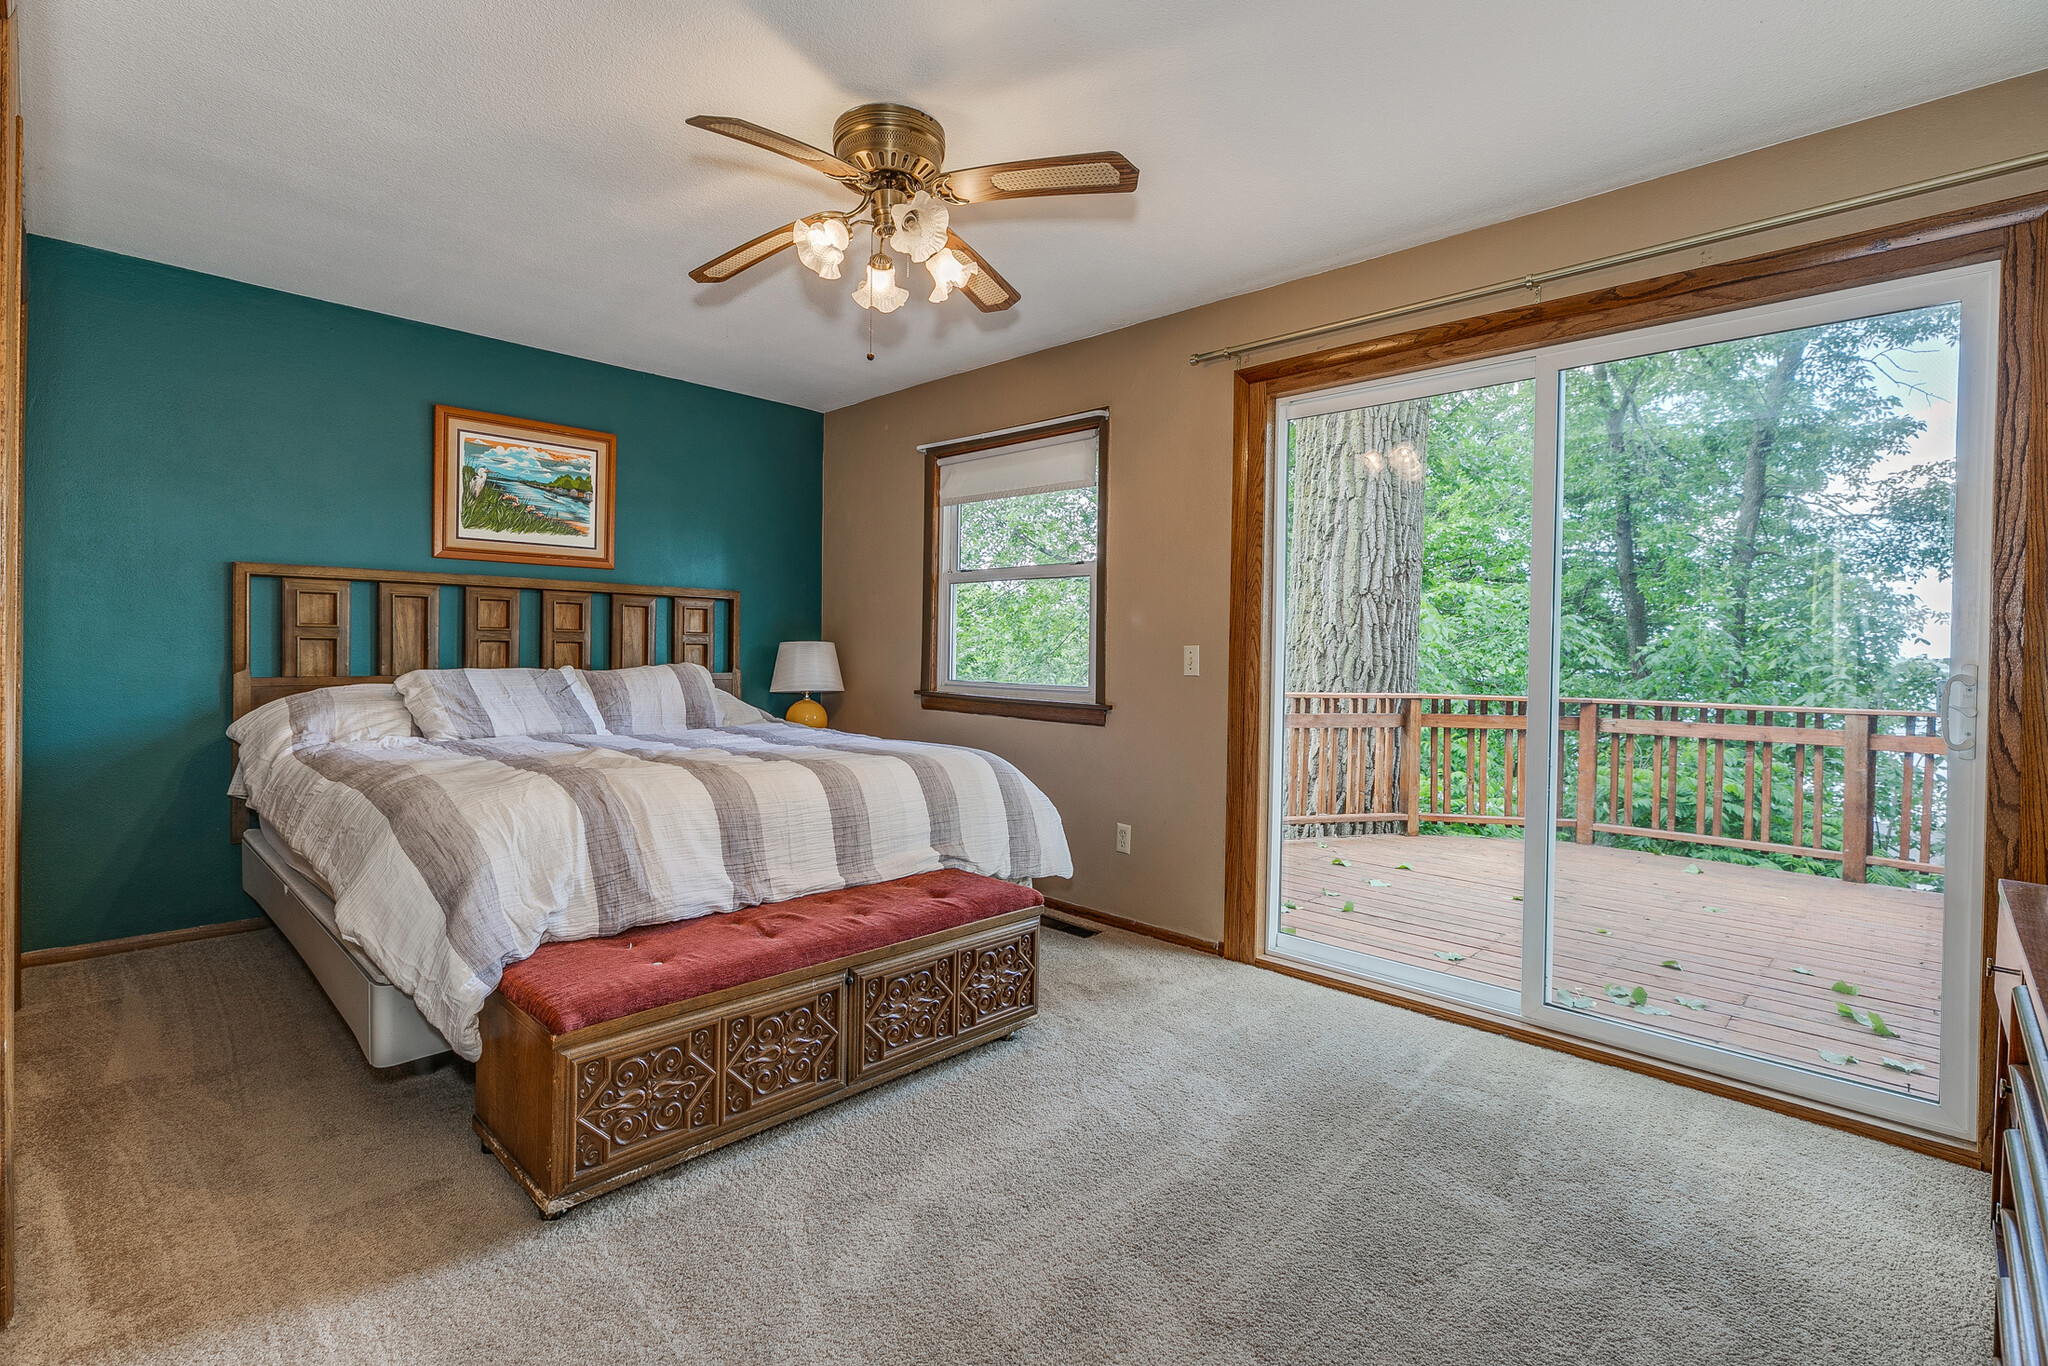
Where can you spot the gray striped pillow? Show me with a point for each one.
(475, 704)
(655, 699)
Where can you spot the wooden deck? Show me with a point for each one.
(1739, 934)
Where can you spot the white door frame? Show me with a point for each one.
(1976, 288)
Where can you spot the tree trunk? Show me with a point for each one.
(1354, 578)
(1635, 613)
(1763, 435)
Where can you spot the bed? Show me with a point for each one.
(457, 854)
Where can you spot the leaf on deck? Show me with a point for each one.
(1804, 972)
(1689, 1003)
(1641, 996)
(1907, 1067)
(1647, 1009)
(1879, 1027)
(1339, 863)
(1348, 907)
(1838, 1059)
(1843, 989)
(1690, 868)
(1377, 882)
(1671, 963)
(1450, 957)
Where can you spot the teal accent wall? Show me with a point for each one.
(179, 421)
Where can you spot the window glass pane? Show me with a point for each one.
(1407, 650)
(1032, 631)
(1038, 528)
(1755, 578)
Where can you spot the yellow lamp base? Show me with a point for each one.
(804, 712)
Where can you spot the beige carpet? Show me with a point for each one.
(1182, 1161)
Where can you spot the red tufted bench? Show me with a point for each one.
(606, 1060)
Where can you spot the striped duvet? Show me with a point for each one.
(451, 859)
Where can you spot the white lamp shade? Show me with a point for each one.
(807, 666)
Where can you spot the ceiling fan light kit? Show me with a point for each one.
(891, 156)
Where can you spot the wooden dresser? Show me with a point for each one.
(2020, 1124)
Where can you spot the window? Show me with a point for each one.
(1013, 603)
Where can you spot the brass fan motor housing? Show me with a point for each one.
(891, 137)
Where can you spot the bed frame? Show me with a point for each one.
(314, 651)
(572, 1116)
(314, 645)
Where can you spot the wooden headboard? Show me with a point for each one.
(313, 629)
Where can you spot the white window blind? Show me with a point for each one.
(1058, 462)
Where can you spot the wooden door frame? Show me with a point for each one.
(2013, 232)
(13, 398)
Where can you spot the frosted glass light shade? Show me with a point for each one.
(880, 291)
(807, 666)
(949, 271)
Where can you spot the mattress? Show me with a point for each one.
(387, 1026)
(452, 859)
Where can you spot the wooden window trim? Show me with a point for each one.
(2013, 232)
(931, 697)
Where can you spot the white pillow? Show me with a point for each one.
(733, 712)
(352, 712)
(655, 698)
(474, 704)
(355, 711)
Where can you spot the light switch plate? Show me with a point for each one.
(1191, 660)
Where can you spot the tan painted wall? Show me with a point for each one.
(1159, 763)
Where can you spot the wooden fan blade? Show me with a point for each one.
(1089, 173)
(775, 142)
(739, 258)
(985, 289)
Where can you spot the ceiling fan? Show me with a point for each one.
(890, 155)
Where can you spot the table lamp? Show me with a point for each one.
(806, 666)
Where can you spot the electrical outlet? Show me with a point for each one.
(1123, 838)
(1191, 660)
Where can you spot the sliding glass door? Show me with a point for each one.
(1407, 602)
(1630, 689)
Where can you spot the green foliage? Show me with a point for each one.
(489, 511)
(1690, 570)
(1036, 529)
(1021, 631)
(1475, 570)
(1024, 630)
(1744, 525)
(580, 482)
(1729, 535)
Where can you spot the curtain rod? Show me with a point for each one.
(1538, 280)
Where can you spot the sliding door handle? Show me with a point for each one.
(1961, 736)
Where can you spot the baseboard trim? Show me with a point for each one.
(1186, 941)
(1958, 1151)
(72, 953)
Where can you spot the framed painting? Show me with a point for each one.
(522, 492)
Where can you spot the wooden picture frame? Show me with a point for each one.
(491, 503)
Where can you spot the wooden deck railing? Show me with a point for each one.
(1863, 787)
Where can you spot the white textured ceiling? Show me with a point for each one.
(521, 169)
